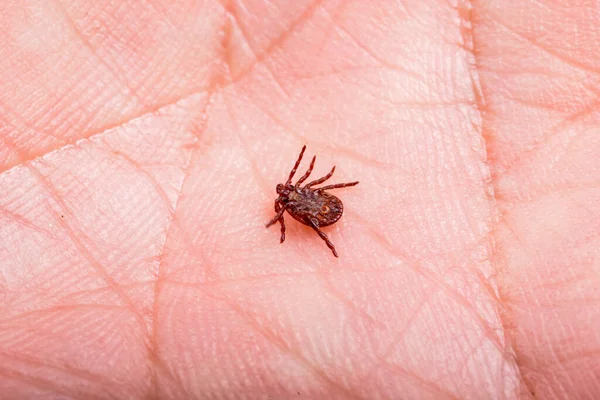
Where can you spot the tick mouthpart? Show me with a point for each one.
(284, 190)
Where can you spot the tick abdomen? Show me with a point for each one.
(324, 207)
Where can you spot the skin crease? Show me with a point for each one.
(140, 146)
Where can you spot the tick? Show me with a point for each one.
(311, 206)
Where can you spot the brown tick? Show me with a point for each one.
(311, 206)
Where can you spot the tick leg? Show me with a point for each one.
(336, 186)
(276, 217)
(307, 174)
(321, 180)
(296, 165)
(323, 236)
(281, 221)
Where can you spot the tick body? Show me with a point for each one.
(309, 205)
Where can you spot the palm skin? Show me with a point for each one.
(140, 145)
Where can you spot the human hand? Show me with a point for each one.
(140, 146)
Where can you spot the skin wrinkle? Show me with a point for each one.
(355, 155)
(541, 144)
(485, 366)
(587, 87)
(74, 234)
(485, 282)
(356, 309)
(262, 181)
(565, 146)
(106, 130)
(273, 338)
(531, 104)
(163, 15)
(423, 383)
(459, 164)
(373, 56)
(553, 353)
(460, 252)
(265, 277)
(166, 71)
(507, 70)
(453, 294)
(579, 278)
(149, 178)
(58, 308)
(22, 221)
(25, 333)
(333, 72)
(419, 307)
(429, 105)
(419, 218)
(549, 304)
(562, 361)
(327, 33)
(113, 70)
(25, 124)
(420, 105)
(209, 268)
(505, 308)
(36, 382)
(64, 143)
(554, 190)
(279, 41)
(373, 232)
(494, 17)
(49, 276)
(156, 361)
(165, 203)
(510, 353)
(73, 296)
(211, 276)
(492, 291)
(82, 374)
(11, 146)
(232, 12)
(274, 45)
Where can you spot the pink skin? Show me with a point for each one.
(140, 146)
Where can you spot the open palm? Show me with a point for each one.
(141, 143)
